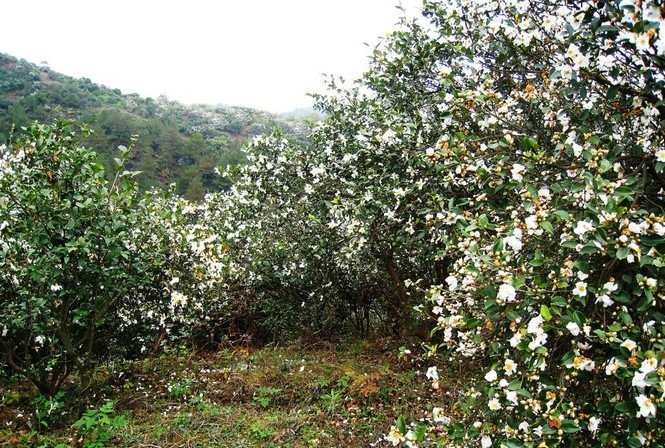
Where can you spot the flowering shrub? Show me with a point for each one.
(68, 264)
(498, 171)
(501, 163)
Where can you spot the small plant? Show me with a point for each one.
(261, 433)
(98, 425)
(265, 396)
(49, 410)
(180, 389)
(332, 400)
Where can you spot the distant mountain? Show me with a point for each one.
(177, 143)
(301, 113)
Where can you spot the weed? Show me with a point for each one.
(265, 396)
(98, 425)
(49, 410)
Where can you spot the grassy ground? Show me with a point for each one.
(321, 396)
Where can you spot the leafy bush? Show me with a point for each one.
(68, 260)
(499, 171)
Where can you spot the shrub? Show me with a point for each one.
(500, 167)
(68, 264)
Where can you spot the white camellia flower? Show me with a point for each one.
(511, 396)
(642, 41)
(531, 222)
(515, 339)
(517, 172)
(394, 436)
(509, 366)
(432, 373)
(649, 365)
(573, 328)
(513, 242)
(580, 289)
(452, 283)
(639, 380)
(544, 194)
(485, 442)
(491, 376)
(660, 155)
(438, 416)
(605, 300)
(56, 287)
(583, 227)
(612, 366)
(506, 293)
(629, 344)
(594, 423)
(646, 405)
(494, 404)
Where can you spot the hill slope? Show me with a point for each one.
(177, 143)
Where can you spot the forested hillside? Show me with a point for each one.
(176, 143)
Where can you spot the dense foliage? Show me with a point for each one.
(497, 173)
(70, 257)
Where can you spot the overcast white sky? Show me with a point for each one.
(261, 53)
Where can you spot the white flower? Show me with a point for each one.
(491, 376)
(509, 366)
(439, 417)
(394, 436)
(451, 281)
(649, 365)
(389, 137)
(573, 328)
(515, 340)
(580, 289)
(544, 194)
(629, 344)
(514, 242)
(494, 404)
(658, 227)
(511, 396)
(485, 442)
(647, 407)
(432, 373)
(506, 293)
(605, 300)
(517, 171)
(531, 222)
(535, 325)
(583, 227)
(642, 41)
(594, 422)
(660, 155)
(612, 366)
(651, 282)
(39, 340)
(317, 171)
(178, 299)
(639, 380)
(55, 287)
(635, 228)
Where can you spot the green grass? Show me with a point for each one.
(281, 397)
